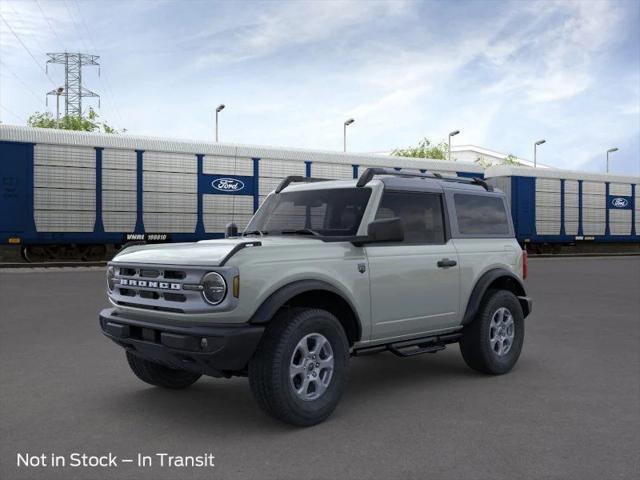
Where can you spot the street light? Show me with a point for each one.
(611, 150)
(535, 151)
(59, 91)
(218, 110)
(344, 137)
(452, 134)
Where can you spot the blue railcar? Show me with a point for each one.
(551, 207)
(65, 193)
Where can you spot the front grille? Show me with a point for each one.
(174, 297)
(151, 273)
(149, 294)
(174, 274)
(159, 288)
(146, 273)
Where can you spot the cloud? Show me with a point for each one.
(270, 27)
(292, 72)
(551, 57)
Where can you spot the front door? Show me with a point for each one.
(415, 283)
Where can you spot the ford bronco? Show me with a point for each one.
(326, 270)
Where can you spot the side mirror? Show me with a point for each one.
(231, 230)
(383, 230)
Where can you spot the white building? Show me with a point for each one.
(475, 154)
(480, 155)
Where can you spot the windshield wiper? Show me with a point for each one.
(301, 231)
(254, 232)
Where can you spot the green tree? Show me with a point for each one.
(90, 123)
(510, 159)
(425, 149)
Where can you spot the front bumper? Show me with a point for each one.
(216, 350)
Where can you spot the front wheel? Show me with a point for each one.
(299, 370)
(492, 342)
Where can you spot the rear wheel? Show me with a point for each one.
(159, 375)
(493, 341)
(299, 370)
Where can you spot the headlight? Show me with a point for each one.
(111, 273)
(215, 288)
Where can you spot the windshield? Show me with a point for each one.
(330, 212)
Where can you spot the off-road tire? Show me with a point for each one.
(159, 375)
(475, 342)
(269, 376)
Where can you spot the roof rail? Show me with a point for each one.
(369, 173)
(297, 179)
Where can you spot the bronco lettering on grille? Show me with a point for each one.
(145, 283)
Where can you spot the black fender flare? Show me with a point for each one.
(280, 297)
(482, 285)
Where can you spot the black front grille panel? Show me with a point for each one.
(153, 294)
(151, 273)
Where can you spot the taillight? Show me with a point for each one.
(524, 264)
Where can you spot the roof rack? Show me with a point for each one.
(297, 179)
(369, 173)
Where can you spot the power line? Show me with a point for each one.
(27, 49)
(75, 25)
(20, 18)
(10, 112)
(24, 84)
(105, 82)
(50, 25)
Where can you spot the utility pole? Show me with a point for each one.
(452, 134)
(535, 152)
(611, 150)
(59, 90)
(218, 110)
(73, 90)
(344, 133)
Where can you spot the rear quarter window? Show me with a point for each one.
(481, 215)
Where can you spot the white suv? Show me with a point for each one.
(324, 271)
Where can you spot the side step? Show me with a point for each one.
(416, 346)
(411, 350)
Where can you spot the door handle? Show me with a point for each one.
(446, 263)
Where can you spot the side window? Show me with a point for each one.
(421, 214)
(481, 215)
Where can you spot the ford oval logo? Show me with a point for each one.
(227, 184)
(619, 202)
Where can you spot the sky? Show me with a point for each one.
(290, 73)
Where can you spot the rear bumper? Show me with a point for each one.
(216, 350)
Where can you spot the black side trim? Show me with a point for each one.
(237, 248)
(483, 284)
(271, 305)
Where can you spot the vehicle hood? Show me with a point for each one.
(205, 252)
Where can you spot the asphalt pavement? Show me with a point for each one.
(569, 410)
